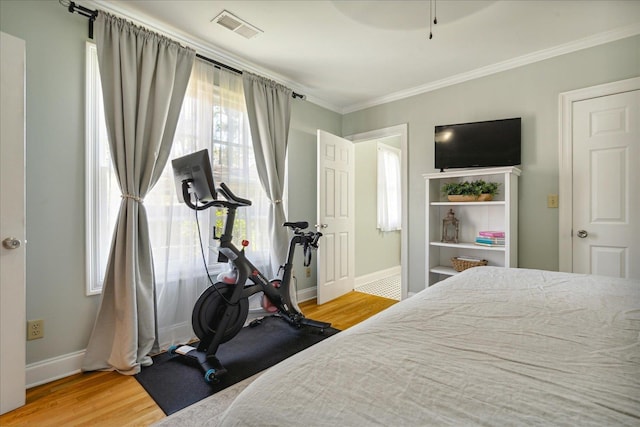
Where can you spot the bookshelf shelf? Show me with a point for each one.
(499, 214)
(492, 203)
(442, 269)
(472, 246)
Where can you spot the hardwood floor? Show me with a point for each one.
(111, 399)
(95, 398)
(347, 310)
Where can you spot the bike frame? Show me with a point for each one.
(280, 297)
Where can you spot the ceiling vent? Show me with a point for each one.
(237, 25)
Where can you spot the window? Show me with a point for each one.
(213, 116)
(389, 188)
(101, 188)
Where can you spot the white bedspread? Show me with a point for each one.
(490, 346)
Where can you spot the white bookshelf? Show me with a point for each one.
(498, 214)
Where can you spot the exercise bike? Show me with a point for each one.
(221, 310)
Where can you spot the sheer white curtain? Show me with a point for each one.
(389, 188)
(213, 117)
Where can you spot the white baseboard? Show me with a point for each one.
(376, 275)
(307, 294)
(48, 370)
(53, 369)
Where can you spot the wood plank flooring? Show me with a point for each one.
(347, 310)
(111, 399)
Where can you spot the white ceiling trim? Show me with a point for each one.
(592, 41)
(205, 49)
(235, 61)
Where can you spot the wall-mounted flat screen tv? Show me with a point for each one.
(478, 144)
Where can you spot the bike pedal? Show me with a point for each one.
(255, 323)
(314, 323)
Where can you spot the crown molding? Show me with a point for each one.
(207, 49)
(541, 55)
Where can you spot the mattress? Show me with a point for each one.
(489, 346)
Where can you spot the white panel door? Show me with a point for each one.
(606, 185)
(12, 224)
(336, 254)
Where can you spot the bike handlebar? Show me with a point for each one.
(228, 194)
(316, 237)
(309, 237)
(232, 201)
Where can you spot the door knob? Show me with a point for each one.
(321, 225)
(11, 243)
(582, 234)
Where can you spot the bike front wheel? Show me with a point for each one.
(210, 308)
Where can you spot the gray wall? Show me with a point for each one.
(530, 92)
(55, 156)
(55, 275)
(375, 250)
(55, 41)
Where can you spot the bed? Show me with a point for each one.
(489, 346)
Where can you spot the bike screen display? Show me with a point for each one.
(197, 168)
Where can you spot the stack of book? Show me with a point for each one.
(490, 238)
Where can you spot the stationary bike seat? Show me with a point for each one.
(299, 225)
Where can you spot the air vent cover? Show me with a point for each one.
(237, 25)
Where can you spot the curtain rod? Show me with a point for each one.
(91, 14)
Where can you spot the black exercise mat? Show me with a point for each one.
(175, 383)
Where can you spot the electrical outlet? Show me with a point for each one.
(552, 201)
(35, 329)
(308, 272)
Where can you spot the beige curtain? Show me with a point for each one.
(269, 112)
(144, 78)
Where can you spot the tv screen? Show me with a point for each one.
(478, 144)
(196, 167)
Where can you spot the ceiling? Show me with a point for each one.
(348, 55)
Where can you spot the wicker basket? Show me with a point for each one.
(463, 264)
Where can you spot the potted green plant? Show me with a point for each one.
(465, 191)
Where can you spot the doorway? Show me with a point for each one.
(390, 281)
(599, 180)
(336, 274)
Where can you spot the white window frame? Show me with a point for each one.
(389, 204)
(93, 109)
(95, 138)
(94, 126)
